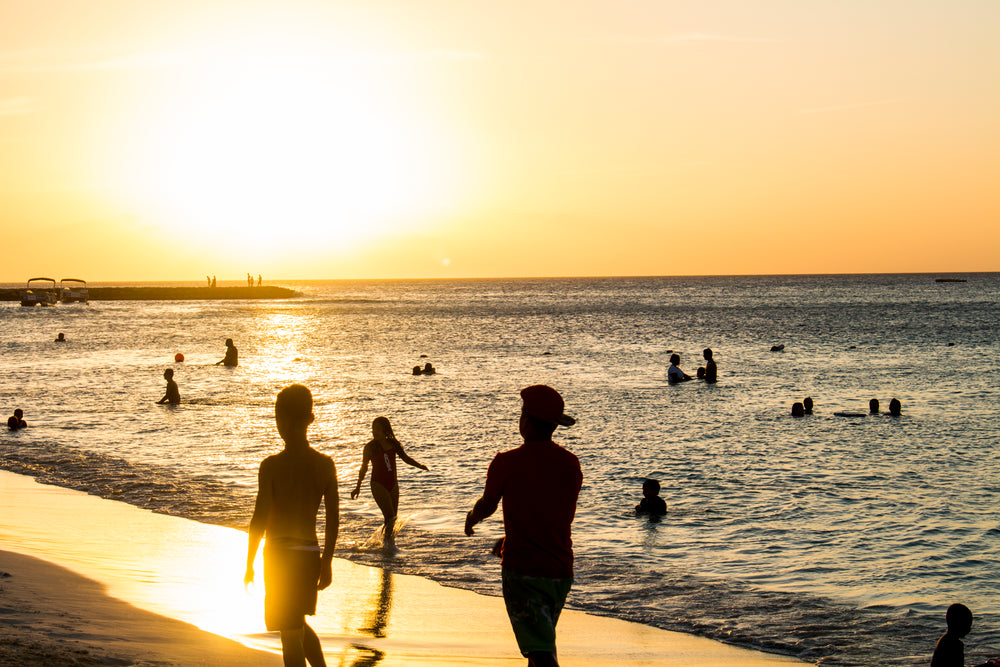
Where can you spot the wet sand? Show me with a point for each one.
(94, 581)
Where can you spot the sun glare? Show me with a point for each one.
(271, 151)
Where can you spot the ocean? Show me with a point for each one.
(840, 540)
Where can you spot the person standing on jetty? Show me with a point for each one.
(173, 395)
(381, 452)
(291, 485)
(232, 357)
(539, 483)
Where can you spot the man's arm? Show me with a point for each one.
(481, 510)
(258, 523)
(331, 498)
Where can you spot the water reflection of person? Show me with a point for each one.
(379, 617)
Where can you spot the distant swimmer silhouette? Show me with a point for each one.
(651, 502)
(173, 395)
(416, 370)
(16, 421)
(895, 407)
(429, 369)
(61, 338)
(674, 373)
(798, 410)
(807, 405)
(232, 355)
(711, 370)
(777, 348)
(381, 453)
(873, 406)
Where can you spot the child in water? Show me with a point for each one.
(173, 395)
(651, 503)
(381, 452)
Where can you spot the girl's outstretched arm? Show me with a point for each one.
(406, 457)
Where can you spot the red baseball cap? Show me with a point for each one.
(545, 403)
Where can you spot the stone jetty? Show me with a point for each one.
(138, 293)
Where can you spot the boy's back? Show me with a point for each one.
(297, 480)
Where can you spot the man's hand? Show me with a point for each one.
(355, 493)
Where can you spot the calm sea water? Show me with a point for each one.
(839, 540)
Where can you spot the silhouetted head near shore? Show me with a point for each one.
(61, 338)
(675, 359)
(293, 411)
(700, 372)
(429, 369)
(416, 369)
(541, 412)
(873, 406)
(650, 487)
(895, 407)
(707, 353)
(807, 405)
(168, 374)
(798, 410)
(959, 619)
(381, 428)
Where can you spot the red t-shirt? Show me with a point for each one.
(539, 483)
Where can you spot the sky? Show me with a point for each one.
(170, 140)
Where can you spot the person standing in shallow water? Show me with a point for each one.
(381, 453)
(173, 395)
(291, 486)
(711, 370)
(538, 483)
(232, 357)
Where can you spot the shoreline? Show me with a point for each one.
(187, 575)
(225, 292)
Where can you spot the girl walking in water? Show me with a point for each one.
(381, 452)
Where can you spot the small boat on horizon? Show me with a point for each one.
(73, 290)
(43, 293)
(950, 280)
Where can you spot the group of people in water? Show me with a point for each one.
(428, 369)
(709, 372)
(806, 408)
(173, 393)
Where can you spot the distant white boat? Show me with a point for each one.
(42, 293)
(73, 290)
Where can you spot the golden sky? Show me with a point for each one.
(170, 139)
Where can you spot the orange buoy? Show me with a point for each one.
(178, 357)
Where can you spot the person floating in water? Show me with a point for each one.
(798, 410)
(416, 370)
(232, 355)
(651, 502)
(173, 395)
(895, 407)
(807, 405)
(674, 373)
(873, 406)
(291, 486)
(61, 338)
(381, 453)
(429, 369)
(711, 370)
(538, 483)
(16, 421)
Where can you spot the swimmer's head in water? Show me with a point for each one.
(798, 410)
(707, 353)
(18, 413)
(873, 406)
(895, 407)
(381, 428)
(675, 359)
(294, 404)
(651, 487)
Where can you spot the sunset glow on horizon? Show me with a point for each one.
(308, 140)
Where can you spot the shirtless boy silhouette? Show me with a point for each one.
(173, 394)
(291, 485)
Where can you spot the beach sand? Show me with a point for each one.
(89, 581)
